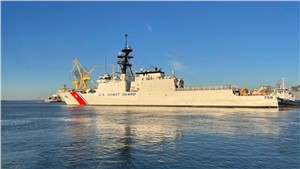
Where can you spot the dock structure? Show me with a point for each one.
(22, 100)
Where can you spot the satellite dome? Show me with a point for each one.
(120, 53)
(129, 47)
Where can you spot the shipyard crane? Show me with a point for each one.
(81, 75)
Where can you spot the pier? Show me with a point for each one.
(22, 100)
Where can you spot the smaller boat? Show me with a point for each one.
(284, 94)
(52, 99)
(288, 103)
(296, 92)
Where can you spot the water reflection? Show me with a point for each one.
(126, 141)
(121, 132)
(79, 129)
(147, 137)
(156, 124)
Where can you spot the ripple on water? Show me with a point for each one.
(126, 137)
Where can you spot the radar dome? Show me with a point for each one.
(129, 47)
(120, 53)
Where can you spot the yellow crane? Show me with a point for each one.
(81, 75)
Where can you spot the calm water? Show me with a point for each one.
(40, 135)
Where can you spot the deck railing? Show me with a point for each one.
(191, 88)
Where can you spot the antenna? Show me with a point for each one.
(105, 65)
(113, 70)
(124, 58)
(126, 40)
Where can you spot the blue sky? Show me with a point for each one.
(248, 44)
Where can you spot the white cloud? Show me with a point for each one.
(177, 65)
(149, 27)
(169, 55)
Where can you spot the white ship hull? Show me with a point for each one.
(200, 98)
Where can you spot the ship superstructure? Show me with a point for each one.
(154, 88)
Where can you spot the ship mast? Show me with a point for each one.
(124, 58)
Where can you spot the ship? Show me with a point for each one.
(284, 94)
(296, 92)
(154, 88)
(53, 98)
